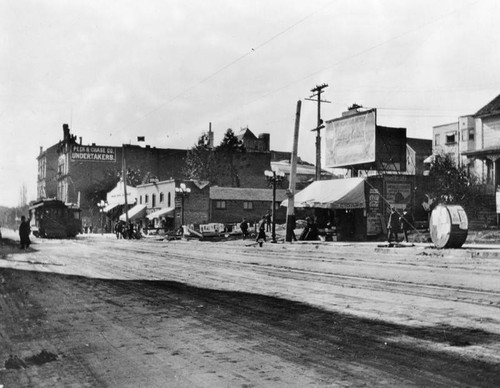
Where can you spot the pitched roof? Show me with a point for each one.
(491, 108)
(245, 132)
(420, 146)
(245, 194)
(302, 168)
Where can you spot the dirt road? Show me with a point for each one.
(156, 313)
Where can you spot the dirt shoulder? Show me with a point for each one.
(156, 334)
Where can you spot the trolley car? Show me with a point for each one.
(52, 218)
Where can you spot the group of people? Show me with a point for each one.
(127, 231)
(397, 222)
(263, 226)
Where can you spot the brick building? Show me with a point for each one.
(83, 174)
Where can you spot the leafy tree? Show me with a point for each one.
(452, 184)
(219, 166)
(200, 162)
(227, 153)
(230, 143)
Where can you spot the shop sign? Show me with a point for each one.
(92, 154)
(373, 223)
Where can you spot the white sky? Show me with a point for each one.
(164, 69)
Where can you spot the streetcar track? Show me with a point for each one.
(454, 294)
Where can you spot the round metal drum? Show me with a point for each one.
(448, 226)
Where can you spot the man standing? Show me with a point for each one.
(268, 219)
(24, 233)
(244, 228)
(393, 226)
(406, 223)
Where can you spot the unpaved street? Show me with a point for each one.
(190, 313)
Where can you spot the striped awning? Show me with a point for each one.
(160, 213)
(138, 211)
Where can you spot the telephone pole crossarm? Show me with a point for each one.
(317, 93)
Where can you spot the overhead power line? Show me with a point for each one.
(232, 63)
(367, 50)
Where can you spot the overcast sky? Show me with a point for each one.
(164, 69)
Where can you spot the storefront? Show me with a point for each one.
(356, 208)
(339, 204)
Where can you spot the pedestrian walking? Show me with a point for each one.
(244, 228)
(24, 233)
(393, 226)
(406, 221)
(261, 236)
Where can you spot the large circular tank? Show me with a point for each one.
(448, 226)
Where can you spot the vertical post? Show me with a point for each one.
(124, 178)
(290, 213)
(318, 90)
(273, 211)
(318, 139)
(182, 209)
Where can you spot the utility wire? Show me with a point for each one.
(367, 50)
(232, 63)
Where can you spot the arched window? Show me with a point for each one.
(153, 200)
(169, 199)
(161, 197)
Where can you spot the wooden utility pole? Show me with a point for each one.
(317, 93)
(290, 213)
(124, 176)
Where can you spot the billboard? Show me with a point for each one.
(350, 140)
(93, 153)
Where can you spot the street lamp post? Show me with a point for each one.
(101, 206)
(183, 191)
(274, 177)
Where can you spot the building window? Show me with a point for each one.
(161, 197)
(153, 200)
(247, 205)
(450, 138)
(220, 204)
(146, 198)
(471, 134)
(140, 199)
(437, 139)
(169, 200)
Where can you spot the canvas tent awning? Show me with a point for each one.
(332, 194)
(110, 207)
(160, 213)
(430, 159)
(138, 211)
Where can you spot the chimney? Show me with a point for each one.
(352, 110)
(210, 136)
(66, 132)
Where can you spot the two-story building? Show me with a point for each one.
(484, 146)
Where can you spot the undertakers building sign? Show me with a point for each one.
(93, 153)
